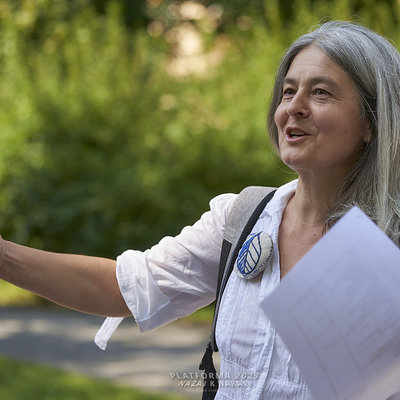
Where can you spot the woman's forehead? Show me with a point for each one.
(314, 66)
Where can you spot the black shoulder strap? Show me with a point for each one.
(225, 269)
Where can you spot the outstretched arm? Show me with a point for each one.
(83, 283)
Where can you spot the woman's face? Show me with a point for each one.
(319, 120)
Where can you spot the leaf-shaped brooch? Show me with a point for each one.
(254, 255)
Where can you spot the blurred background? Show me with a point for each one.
(120, 120)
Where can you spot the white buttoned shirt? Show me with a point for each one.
(179, 275)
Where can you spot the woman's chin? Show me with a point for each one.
(295, 163)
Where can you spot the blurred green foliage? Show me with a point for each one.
(114, 134)
(22, 380)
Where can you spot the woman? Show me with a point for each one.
(334, 119)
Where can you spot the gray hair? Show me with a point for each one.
(373, 64)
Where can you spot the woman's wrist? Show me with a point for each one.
(2, 254)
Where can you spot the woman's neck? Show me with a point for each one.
(313, 200)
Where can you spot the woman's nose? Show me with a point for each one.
(298, 106)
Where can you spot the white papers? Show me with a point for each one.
(338, 312)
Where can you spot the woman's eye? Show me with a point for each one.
(288, 92)
(321, 92)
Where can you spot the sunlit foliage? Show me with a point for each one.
(118, 124)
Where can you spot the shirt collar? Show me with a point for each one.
(280, 199)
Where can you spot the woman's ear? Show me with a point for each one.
(367, 136)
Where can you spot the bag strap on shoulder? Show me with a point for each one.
(244, 214)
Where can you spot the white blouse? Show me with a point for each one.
(179, 275)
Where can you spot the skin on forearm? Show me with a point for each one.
(82, 283)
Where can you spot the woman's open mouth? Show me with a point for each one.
(293, 134)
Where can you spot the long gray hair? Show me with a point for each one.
(373, 64)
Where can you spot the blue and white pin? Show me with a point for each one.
(254, 255)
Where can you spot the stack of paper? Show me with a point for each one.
(338, 311)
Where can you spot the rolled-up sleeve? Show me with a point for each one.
(175, 277)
